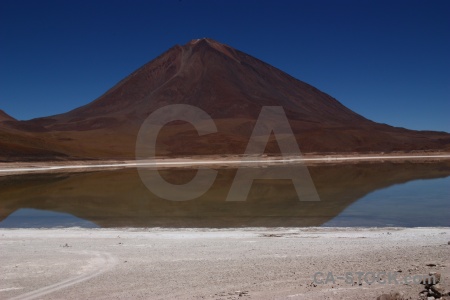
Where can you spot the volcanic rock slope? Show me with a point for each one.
(231, 86)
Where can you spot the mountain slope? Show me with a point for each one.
(231, 87)
(222, 81)
(5, 117)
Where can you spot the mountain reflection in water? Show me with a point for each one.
(118, 198)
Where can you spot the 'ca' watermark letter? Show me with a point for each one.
(146, 151)
(273, 119)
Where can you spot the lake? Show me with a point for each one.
(381, 194)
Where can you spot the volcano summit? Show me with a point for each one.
(231, 86)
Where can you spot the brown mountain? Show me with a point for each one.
(229, 85)
(5, 117)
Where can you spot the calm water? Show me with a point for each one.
(363, 194)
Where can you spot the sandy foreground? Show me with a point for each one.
(248, 263)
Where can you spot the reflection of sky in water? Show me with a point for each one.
(35, 218)
(412, 204)
(351, 195)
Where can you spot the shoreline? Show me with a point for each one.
(13, 168)
(244, 263)
(238, 230)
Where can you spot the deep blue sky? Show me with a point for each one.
(387, 60)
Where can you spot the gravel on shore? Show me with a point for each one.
(246, 263)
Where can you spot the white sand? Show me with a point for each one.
(13, 168)
(212, 264)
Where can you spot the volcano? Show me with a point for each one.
(232, 87)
